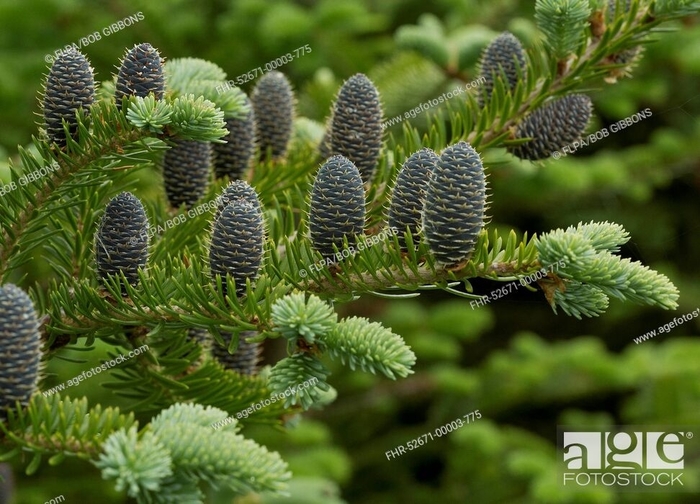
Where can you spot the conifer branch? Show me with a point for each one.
(588, 64)
(93, 149)
(318, 231)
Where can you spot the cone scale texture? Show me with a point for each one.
(20, 347)
(245, 359)
(504, 57)
(70, 85)
(273, 104)
(553, 126)
(337, 208)
(455, 203)
(121, 241)
(409, 194)
(140, 73)
(198, 335)
(356, 128)
(237, 244)
(238, 190)
(233, 158)
(186, 172)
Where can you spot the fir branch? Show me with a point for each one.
(578, 299)
(602, 235)
(57, 425)
(591, 271)
(219, 456)
(299, 379)
(172, 371)
(293, 316)
(564, 24)
(495, 123)
(111, 133)
(386, 268)
(179, 449)
(197, 119)
(112, 140)
(175, 294)
(138, 465)
(370, 347)
(149, 113)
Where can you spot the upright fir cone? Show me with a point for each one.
(273, 102)
(70, 85)
(553, 126)
(233, 158)
(140, 73)
(408, 197)
(20, 348)
(356, 128)
(245, 359)
(198, 335)
(337, 208)
(504, 57)
(238, 190)
(121, 241)
(186, 169)
(237, 243)
(455, 204)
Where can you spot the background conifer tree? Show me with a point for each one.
(288, 320)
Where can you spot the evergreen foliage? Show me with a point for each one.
(563, 23)
(266, 258)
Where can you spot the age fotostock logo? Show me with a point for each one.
(627, 458)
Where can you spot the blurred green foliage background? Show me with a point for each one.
(526, 369)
